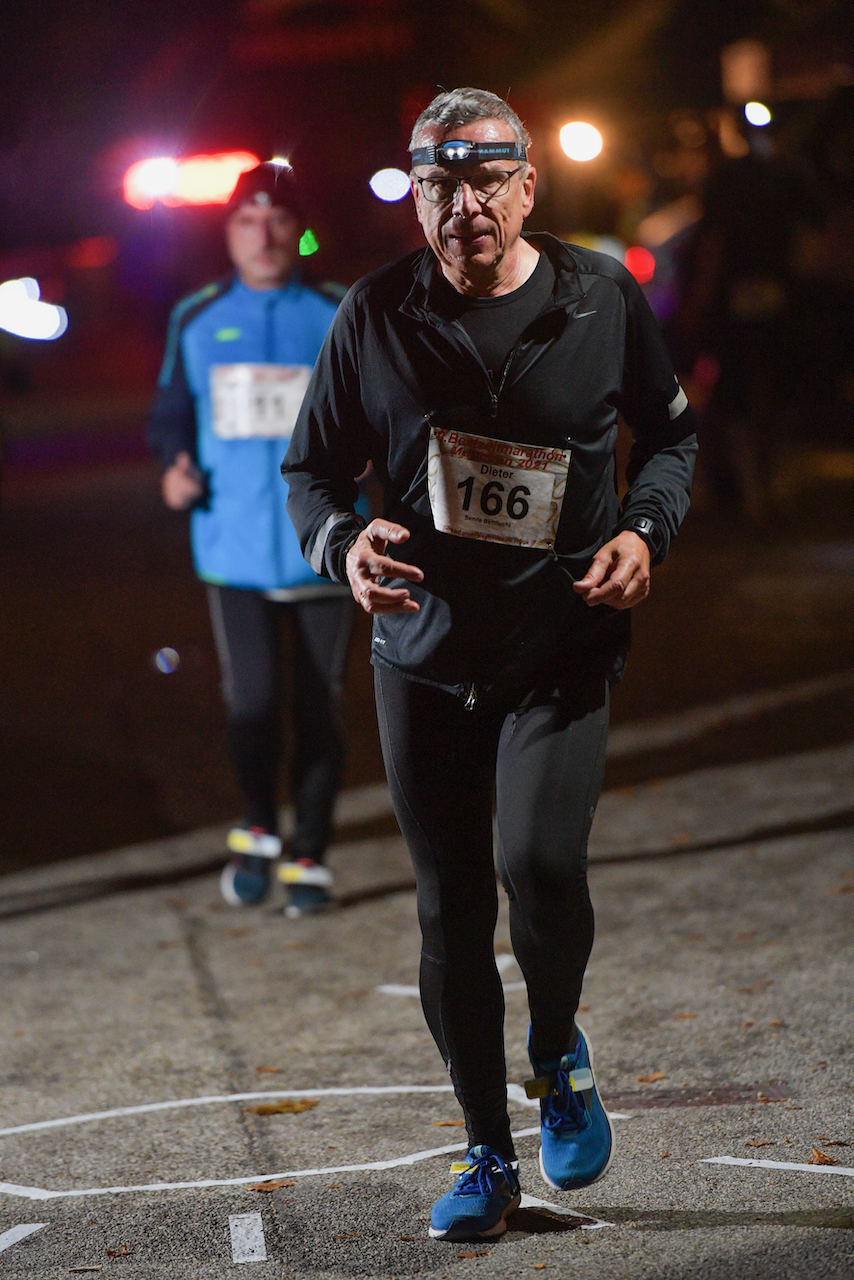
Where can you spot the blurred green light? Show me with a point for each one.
(308, 244)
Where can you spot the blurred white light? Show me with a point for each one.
(156, 177)
(21, 312)
(389, 184)
(580, 141)
(757, 113)
(167, 661)
(281, 162)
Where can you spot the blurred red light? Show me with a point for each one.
(641, 263)
(195, 180)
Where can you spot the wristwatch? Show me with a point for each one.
(644, 528)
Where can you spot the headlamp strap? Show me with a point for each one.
(461, 151)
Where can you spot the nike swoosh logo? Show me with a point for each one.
(579, 315)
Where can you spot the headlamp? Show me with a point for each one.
(461, 151)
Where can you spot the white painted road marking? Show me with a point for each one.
(780, 1164)
(226, 1097)
(14, 1234)
(532, 1202)
(39, 1193)
(399, 989)
(247, 1237)
(503, 961)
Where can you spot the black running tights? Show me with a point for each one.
(247, 630)
(542, 769)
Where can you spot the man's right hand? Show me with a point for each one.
(367, 562)
(181, 484)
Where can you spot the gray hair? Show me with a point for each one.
(465, 106)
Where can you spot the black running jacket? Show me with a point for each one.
(493, 615)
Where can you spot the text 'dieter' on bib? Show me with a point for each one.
(251, 401)
(495, 490)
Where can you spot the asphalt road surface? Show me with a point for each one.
(718, 997)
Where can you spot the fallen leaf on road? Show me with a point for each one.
(271, 1071)
(273, 1185)
(683, 1017)
(834, 1142)
(479, 1253)
(538, 1266)
(663, 1155)
(333, 1186)
(346, 1235)
(818, 1157)
(651, 1078)
(120, 1251)
(770, 1143)
(447, 1124)
(408, 1238)
(775, 1023)
(748, 1024)
(842, 888)
(584, 1008)
(287, 1106)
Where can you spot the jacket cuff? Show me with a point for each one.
(334, 539)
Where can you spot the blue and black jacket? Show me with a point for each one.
(241, 534)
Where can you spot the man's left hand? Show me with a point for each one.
(618, 574)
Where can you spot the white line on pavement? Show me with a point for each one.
(38, 1193)
(780, 1164)
(174, 1104)
(400, 989)
(247, 1237)
(532, 1202)
(14, 1234)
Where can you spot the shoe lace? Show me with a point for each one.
(478, 1178)
(562, 1108)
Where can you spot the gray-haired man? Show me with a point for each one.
(483, 376)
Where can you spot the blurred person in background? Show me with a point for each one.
(483, 376)
(238, 358)
(737, 321)
(824, 277)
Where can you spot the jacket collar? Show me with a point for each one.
(293, 285)
(421, 302)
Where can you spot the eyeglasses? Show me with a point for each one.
(486, 186)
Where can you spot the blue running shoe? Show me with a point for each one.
(308, 884)
(577, 1140)
(245, 880)
(477, 1206)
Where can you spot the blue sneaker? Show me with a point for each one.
(245, 880)
(477, 1206)
(308, 884)
(577, 1140)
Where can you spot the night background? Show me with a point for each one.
(101, 749)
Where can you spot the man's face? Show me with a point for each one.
(471, 236)
(263, 244)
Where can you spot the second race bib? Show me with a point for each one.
(257, 400)
(495, 490)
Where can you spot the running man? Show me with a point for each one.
(483, 376)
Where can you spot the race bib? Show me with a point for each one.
(257, 400)
(494, 489)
